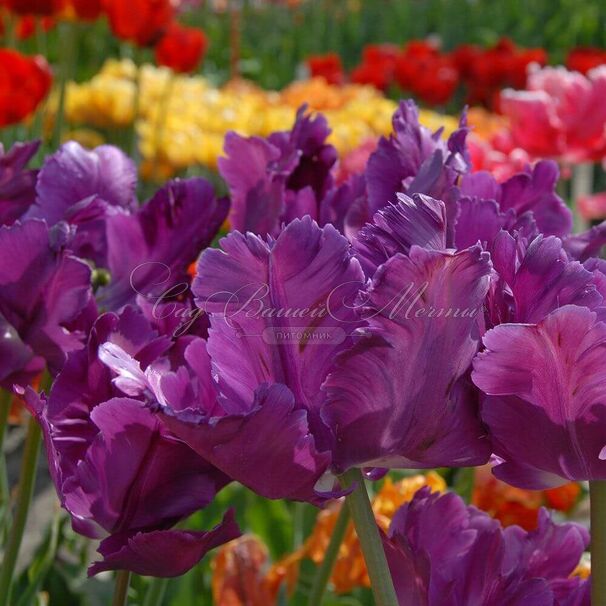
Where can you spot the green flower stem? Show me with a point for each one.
(582, 185)
(66, 69)
(597, 492)
(134, 142)
(324, 571)
(27, 479)
(370, 540)
(121, 590)
(5, 407)
(155, 592)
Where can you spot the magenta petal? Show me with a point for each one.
(548, 414)
(546, 280)
(400, 397)
(163, 553)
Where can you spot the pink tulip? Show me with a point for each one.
(561, 114)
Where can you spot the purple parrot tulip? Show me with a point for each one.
(280, 311)
(278, 179)
(401, 396)
(533, 190)
(149, 252)
(43, 289)
(17, 182)
(545, 407)
(442, 552)
(74, 174)
(415, 160)
(119, 472)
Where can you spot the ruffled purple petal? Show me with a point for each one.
(149, 252)
(42, 289)
(400, 397)
(73, 173)
(163, 553)
(238, 445)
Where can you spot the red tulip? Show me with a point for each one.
(140, 21)
(377, 67)
(87, 10)
(422, 70)
(327, 66)
(44, 8)
(26, 27)
(24, 83)
(583, 59)
(181, 48)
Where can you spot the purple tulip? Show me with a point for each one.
(545, 406)
(119, 472)
(442, 552)
(415, 160)
(533, 190)
(17, 183)
(278, 179)
(401, 396)
(280, 312)
(43, 289)
(148, 252)
(74, 174)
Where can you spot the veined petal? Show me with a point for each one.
(548, 415)
(400, 397)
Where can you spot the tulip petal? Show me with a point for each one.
(548, 416)
(163, 553)
(400, 397)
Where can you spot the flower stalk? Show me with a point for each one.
(597, 492)
(370, 539)
(582, 185)
(324, 571)
(121, 590)
(27, 477)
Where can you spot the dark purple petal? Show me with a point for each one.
(42, 289)
(269, 449)
(472, 560)
(400, 397)
(341, 203)
(150, 251)
(587, 244)
(547, 417)
(281, 178)
(478, 220)
(414, 160)
(550, 551)
(163, 553)
(17, 183)
(535, 191)
(135, 475)
(546, 280)
(256, 204)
